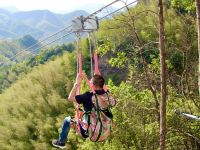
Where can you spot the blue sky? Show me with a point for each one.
(53, 5)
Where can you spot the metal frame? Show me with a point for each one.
(85, 24)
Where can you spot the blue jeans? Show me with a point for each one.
(65, 130)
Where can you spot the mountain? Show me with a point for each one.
(10, 9)
(4, 17)
(36, 17)
(37, 23)
(9, 48)
(4, 12)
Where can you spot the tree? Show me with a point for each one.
(28, 41)
(198, 23)
(163, 77)
(183, 6)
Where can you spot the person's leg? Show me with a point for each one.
(63, 135)
(65, 130)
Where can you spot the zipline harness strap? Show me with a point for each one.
(78, 113)
(96, 61)
(91, 59)
(96, 64)
(80, 70)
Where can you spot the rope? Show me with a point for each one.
(91, 60)
(78, 114)
(96, 64)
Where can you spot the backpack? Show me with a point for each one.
(100, 119)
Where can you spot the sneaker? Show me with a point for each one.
(58, 144)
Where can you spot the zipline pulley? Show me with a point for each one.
(83, 24)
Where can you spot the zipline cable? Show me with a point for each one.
(100, 10)
(31, 53)
(118, 10)
(39, 42)
(50, 43)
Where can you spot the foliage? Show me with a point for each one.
(31, 115)
(33, 108)
(183, 6)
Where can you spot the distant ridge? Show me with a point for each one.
(10, 9)
(36, 23)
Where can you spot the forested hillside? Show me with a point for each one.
(9, 48)
(30, 115)
(9, 74)
(33, 107)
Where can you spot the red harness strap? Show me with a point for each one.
(80, 69)
(96, 63)
(78, 114)
(96, 67)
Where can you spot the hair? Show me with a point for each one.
(98, 81)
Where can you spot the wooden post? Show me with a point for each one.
(198, 25)
(163, 77)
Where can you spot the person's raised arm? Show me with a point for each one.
(73, 92)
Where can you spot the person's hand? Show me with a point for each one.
(84, 76)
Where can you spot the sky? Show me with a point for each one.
(53, 5)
